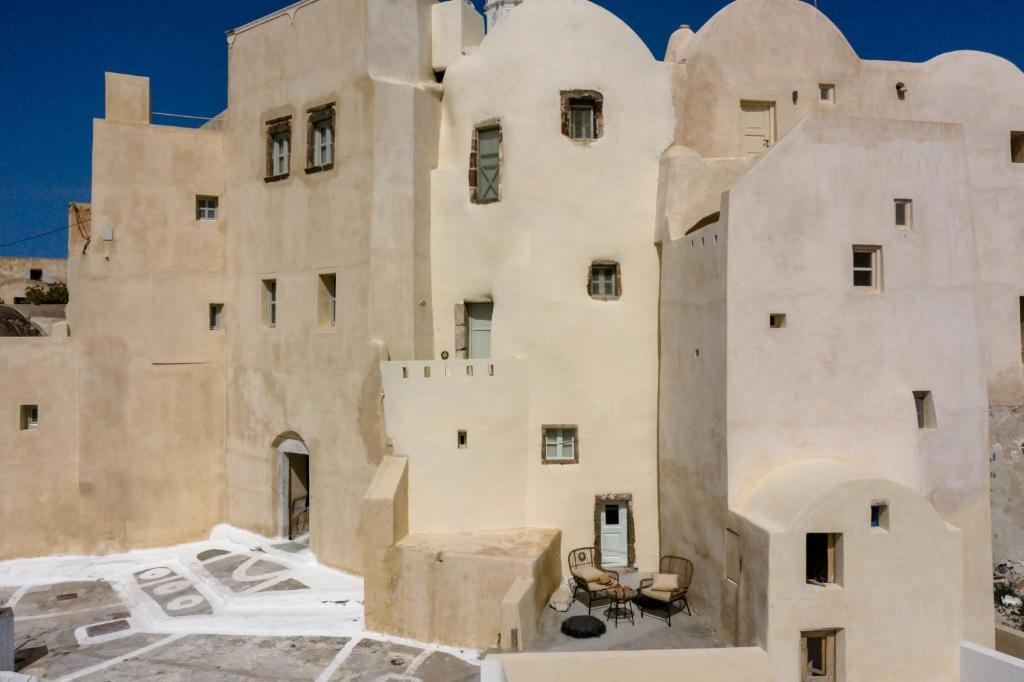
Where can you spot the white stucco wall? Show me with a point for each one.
(564, 204)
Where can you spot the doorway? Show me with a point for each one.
(758, 127)
(479, 321)
(293, 488)
(613, 528)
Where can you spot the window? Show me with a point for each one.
(604, 282)
(1017, 147)
(925, 407)
(485, 165)
(733, 563)
(827, 93)
(777, 320)
(463, 440)
(206, 208)
(880, 515)
(327, 303)
(818, 656)
(867, 267)
(269, 299)
(560, 446)
(1020, 305)
(29, 417)
(824, 558)
(478, 329)
(279, 144)
(904, 212)
(35, 274)
(582, 115)
(320, 138)
(216, 311)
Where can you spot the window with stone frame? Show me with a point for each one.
(582, 115)
(279, 144)
(818, 656)
(485, 162)
(604, 283)
(320, 138)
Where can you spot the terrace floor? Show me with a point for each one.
(237, 607)
(649, 632)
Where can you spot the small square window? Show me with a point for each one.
(1017, 147)
(604, 281)
(560, 445)
(327, 302)
(777, 320)
(611, 514)
(35, 274)
(29, 417)
(269, 303)
(206, 208)
(463, 440)
(216, 311)
(824, 558)
(904, 213)
(925, 407)
(818, 656)
(827, 93)
(867, 262)
(582, 115)
(880, 515)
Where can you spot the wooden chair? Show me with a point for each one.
(678, 566)
(579, 560)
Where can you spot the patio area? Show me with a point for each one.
(649, 632)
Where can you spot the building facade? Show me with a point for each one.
(421, 292)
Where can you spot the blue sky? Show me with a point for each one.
(53, 55)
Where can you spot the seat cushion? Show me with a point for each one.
(596, 586)
(588, 574)
(660, 595)
(665, 582)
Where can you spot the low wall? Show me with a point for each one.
(465, 589)
(1010, 641)
(981, 664)
(676, 665)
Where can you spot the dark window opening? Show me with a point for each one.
(611, 515)
(777, 320)
(925, 407)
(463, 440)
(880, 515)
(1017, 147)
(823, 558)
(35, 274)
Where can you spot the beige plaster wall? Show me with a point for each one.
(39, 485)
(366, 219)
(452, 489)
(917, 563)
(591, 363)
(151, 412)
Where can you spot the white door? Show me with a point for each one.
(614, 535)
(758, 127)
(480, 315)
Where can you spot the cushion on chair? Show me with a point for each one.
(588, 574)
(660, 595)
(665, 582)
(596, 586)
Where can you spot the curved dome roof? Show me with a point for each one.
(13, 323)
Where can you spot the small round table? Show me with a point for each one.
(621, 604)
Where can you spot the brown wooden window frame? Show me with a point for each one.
(315, 116)
(827, 673)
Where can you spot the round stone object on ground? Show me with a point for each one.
(583, 627)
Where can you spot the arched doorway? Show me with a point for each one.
(293, 487)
